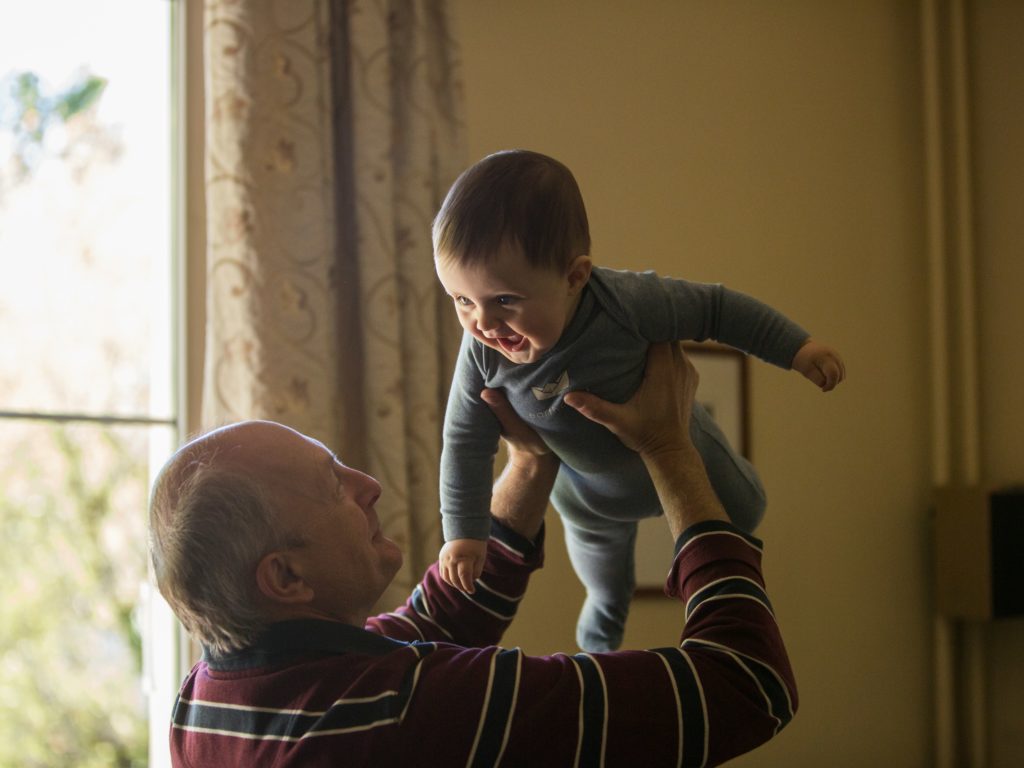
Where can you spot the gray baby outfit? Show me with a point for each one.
(602, 487)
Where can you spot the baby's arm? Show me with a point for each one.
(683, 310)
(467, 467)
(821, 364)
(519, 505)
(461, 562)
(670, 309)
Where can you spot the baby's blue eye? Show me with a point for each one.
(506, 301)
(462, 301)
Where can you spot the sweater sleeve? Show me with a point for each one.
(437, 611)
(471, 434)
(726, 688)
(670, 309)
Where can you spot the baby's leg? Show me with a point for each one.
(602, 556)
(733, 477)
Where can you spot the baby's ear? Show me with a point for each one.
(579, 273)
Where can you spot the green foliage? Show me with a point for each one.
(35, 111)
(72, 556)
(72, 507)
(79, 97)
(30, 112)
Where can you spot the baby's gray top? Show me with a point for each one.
(603, 350)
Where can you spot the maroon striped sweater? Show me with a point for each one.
(427, 684)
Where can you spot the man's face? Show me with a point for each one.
(508, 305)
(345, 558)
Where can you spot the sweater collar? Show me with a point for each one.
(299, 637)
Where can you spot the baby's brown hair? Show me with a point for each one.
(518, 198)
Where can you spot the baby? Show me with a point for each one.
(511, 247)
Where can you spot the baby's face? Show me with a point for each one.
(510, 306)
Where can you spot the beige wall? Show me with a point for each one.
(997, 68)
(777, 147)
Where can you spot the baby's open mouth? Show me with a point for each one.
(513, 343)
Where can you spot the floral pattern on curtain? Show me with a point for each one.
(333, 132)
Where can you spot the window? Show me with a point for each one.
(88, 360)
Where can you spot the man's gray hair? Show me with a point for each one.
(210, 525)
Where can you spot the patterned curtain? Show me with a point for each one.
(333, 132)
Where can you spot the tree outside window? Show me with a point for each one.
(85, 362)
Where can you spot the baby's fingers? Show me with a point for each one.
(446, 574)
(832, 371)
(829, 377)
(816, 376)
(466, 576)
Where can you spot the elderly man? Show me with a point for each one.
(270, 552)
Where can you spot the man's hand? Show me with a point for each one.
(520, 496)
(461, 562)
(821, 364)
(657, 417)
(655, 423)
(522, 441)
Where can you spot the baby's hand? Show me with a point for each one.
(462, 562)
(820, 364)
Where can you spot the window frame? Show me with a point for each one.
(168, 652)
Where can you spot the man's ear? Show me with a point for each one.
(579, 273)
(279, 582)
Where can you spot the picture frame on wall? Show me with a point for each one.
(724, 392)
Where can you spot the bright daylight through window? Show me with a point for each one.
(86, 368)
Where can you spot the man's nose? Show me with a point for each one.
(373, 491)
(366, 488)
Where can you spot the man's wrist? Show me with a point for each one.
(528, 549)
(521, 493)
(531, 461)
(683, 487)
